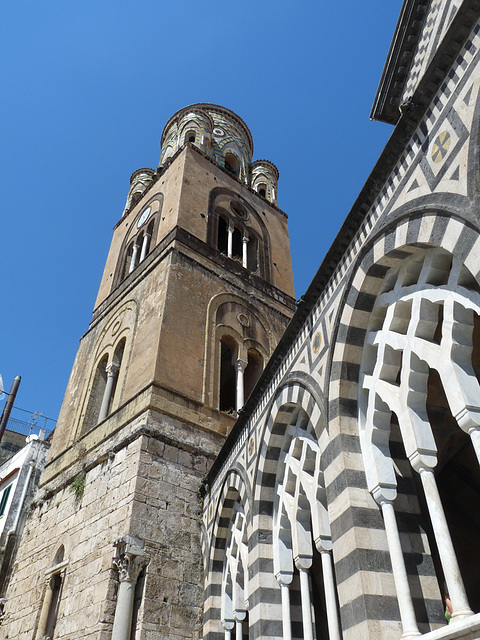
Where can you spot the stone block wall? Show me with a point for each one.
(145, 484)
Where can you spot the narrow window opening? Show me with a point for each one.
(245, 628)
(227, 375)
(252, 371)
(128, 260)
(150, 235)
(117, 358)
(137, 602)
(56, 588)
(318, 596)
(232, 164)
(296, 617)
(262, 189)
(190, 136)
(237, 244)
(96, 394)
(222, 242)
(252, 254)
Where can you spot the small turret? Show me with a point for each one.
(140, 180)
(264, 179)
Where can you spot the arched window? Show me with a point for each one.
(262, 189)
(190, 136)
(229, 215)
(96, 394)
(228, 382)
(232, 164)
(420, 417)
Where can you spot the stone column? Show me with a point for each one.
(244, 251)
(230, 240)
(284, 579)
(330, 596)
(240, 368)
(130, 558)
(143, 253)
(405, 604)
(228, 625)
(303, 565)
(46, 606)
(239, 618)
(112, 371)
(134, 258)
(450, 567)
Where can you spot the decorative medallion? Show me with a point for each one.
(218, 131)
(251, 446)
(238, 209)
(441, 146)
(317, 342)
(143, 217)
(116, 327)
(243, 319)
(210, 511)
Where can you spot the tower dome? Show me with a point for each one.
(217, 131)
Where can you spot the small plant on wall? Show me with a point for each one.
(78, 485)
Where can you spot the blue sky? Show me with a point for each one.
(87, 88)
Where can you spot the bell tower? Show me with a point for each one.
(196, 293)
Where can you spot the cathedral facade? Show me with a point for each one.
(296, 471)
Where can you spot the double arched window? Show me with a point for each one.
(239, 232)
(237, 375)
(138, 248)
(104, 387)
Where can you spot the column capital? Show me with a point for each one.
(303, 563)
(240, 364)
(284, 578)
(228, 624)
(112, 368)
(130, 558)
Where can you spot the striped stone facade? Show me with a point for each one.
(418, 209)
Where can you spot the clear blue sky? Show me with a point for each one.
(86, 90)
